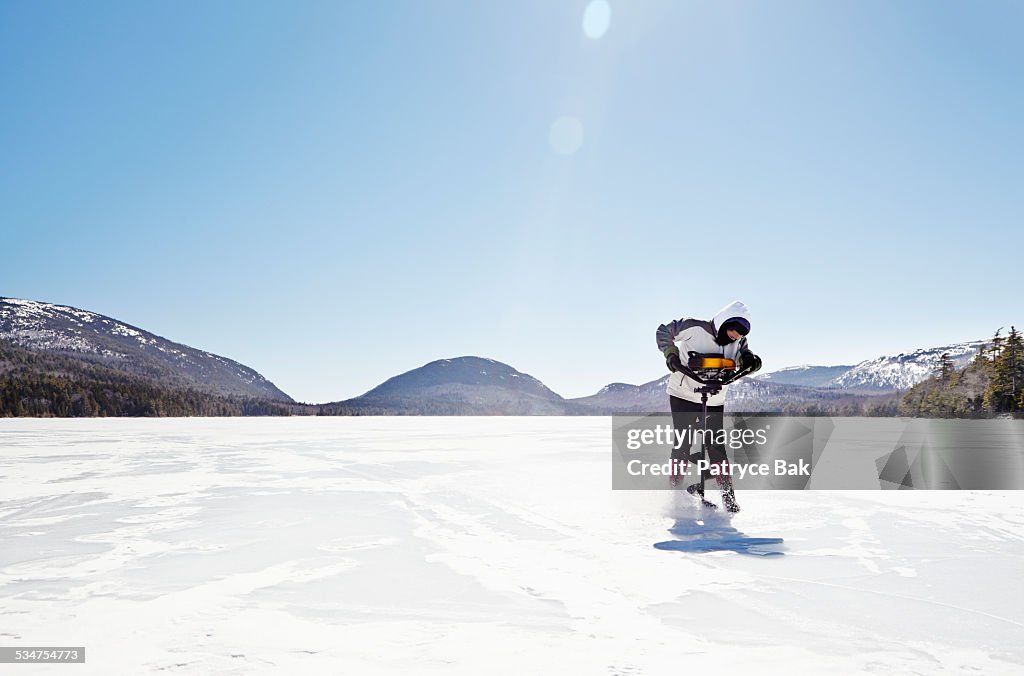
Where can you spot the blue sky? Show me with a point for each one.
(337, 192)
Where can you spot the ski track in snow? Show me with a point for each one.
(470, 545)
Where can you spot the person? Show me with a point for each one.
(725, 335)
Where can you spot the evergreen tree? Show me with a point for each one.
(946, 368)
(990, 352)
(1007, 375)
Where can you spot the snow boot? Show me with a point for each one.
(728, 494)
(696, 491)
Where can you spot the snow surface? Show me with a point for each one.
(471, 545)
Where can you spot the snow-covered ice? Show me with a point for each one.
(466, 546)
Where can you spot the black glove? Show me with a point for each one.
(749, 360)
(673, 362)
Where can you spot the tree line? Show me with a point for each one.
(991, 384)
(51, 385)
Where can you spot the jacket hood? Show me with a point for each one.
(735, 309)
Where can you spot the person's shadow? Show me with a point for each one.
(710, 534)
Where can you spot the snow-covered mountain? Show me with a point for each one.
(478, 371)
(647, 398)
(789, 386)
(747, 395)
(805, 375)
(70, 331)
(459, 386)
(902, 371)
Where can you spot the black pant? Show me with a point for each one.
(686, 415)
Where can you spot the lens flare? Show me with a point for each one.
(596, 18)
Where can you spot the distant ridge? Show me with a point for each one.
(458, 386)
(95, 338)
(849, 388)
(904, 370)
(806, 375)
(650, 397)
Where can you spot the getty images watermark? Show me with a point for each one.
(769, 452)
(665, 435)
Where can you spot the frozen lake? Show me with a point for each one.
(468, 546)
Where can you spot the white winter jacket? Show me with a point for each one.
(698, 335)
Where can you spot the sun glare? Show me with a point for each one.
(596, 18)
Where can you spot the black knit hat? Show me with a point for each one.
(738, 324)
